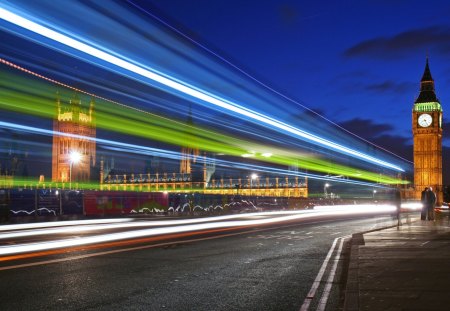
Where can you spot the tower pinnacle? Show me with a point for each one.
(427, 94)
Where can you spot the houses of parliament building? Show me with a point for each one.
(74, 129)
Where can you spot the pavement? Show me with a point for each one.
(403, 267)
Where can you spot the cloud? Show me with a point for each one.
(366, 128)
(446, 127)
(446, 163)
(436, 38)
(380, 135)
(391, 86)
(288, 14)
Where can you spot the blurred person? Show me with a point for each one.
(424, 200)
(398, 204)
(431, 203)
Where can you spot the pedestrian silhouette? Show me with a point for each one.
(424, 200)
(431, 198)
(398, 204)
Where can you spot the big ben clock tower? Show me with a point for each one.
(427, 133)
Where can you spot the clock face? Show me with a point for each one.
(425, 120)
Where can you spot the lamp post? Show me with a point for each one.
(374, 192)
(75, 157)
(325, 189)
(253, 176)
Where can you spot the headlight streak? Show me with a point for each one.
(80, 226)
(350, 210)
(61, 223)
(127, 223)
(184, 87)
(176, 155)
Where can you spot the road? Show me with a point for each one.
(256, 268)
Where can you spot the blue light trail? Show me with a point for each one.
(186, 88)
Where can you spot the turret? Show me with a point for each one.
(58, 105)
(92, 110)
(75, 107)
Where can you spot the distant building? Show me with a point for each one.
(13, 162)
(189, 152)
(73, 119)
(13, 158)
(427, 133)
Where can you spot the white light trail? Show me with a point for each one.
(350, 210)
(183, 87)
(89, 225)
(61, 223)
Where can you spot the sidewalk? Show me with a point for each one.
(400, 268)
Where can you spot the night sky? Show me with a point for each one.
(358, 63)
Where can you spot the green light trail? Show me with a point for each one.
(35, 97)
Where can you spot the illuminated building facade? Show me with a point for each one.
(175, 182)
(196, 174)
(427, 133)
(73, 119)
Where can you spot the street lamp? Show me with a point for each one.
(374, 192)
(325, 189)
(75, 157)
(253, 176)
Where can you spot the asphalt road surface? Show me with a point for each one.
(257, 268)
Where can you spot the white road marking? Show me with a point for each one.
(316, 283)
(329, 283)
(326, 292)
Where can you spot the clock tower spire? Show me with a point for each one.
(427, 133)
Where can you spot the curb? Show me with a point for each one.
(351, 300)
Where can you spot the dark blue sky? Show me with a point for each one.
(359, 63)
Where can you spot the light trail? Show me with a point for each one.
(79, 226)
(334, 211)
(166, 130)
(155, 127)
(76, 226)
(260, 82)
(176, 155)
(185, 88)
(61, 223)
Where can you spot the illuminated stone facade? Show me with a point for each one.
(73, 120)
(174, 182)
(427, 133)
(196, 175)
